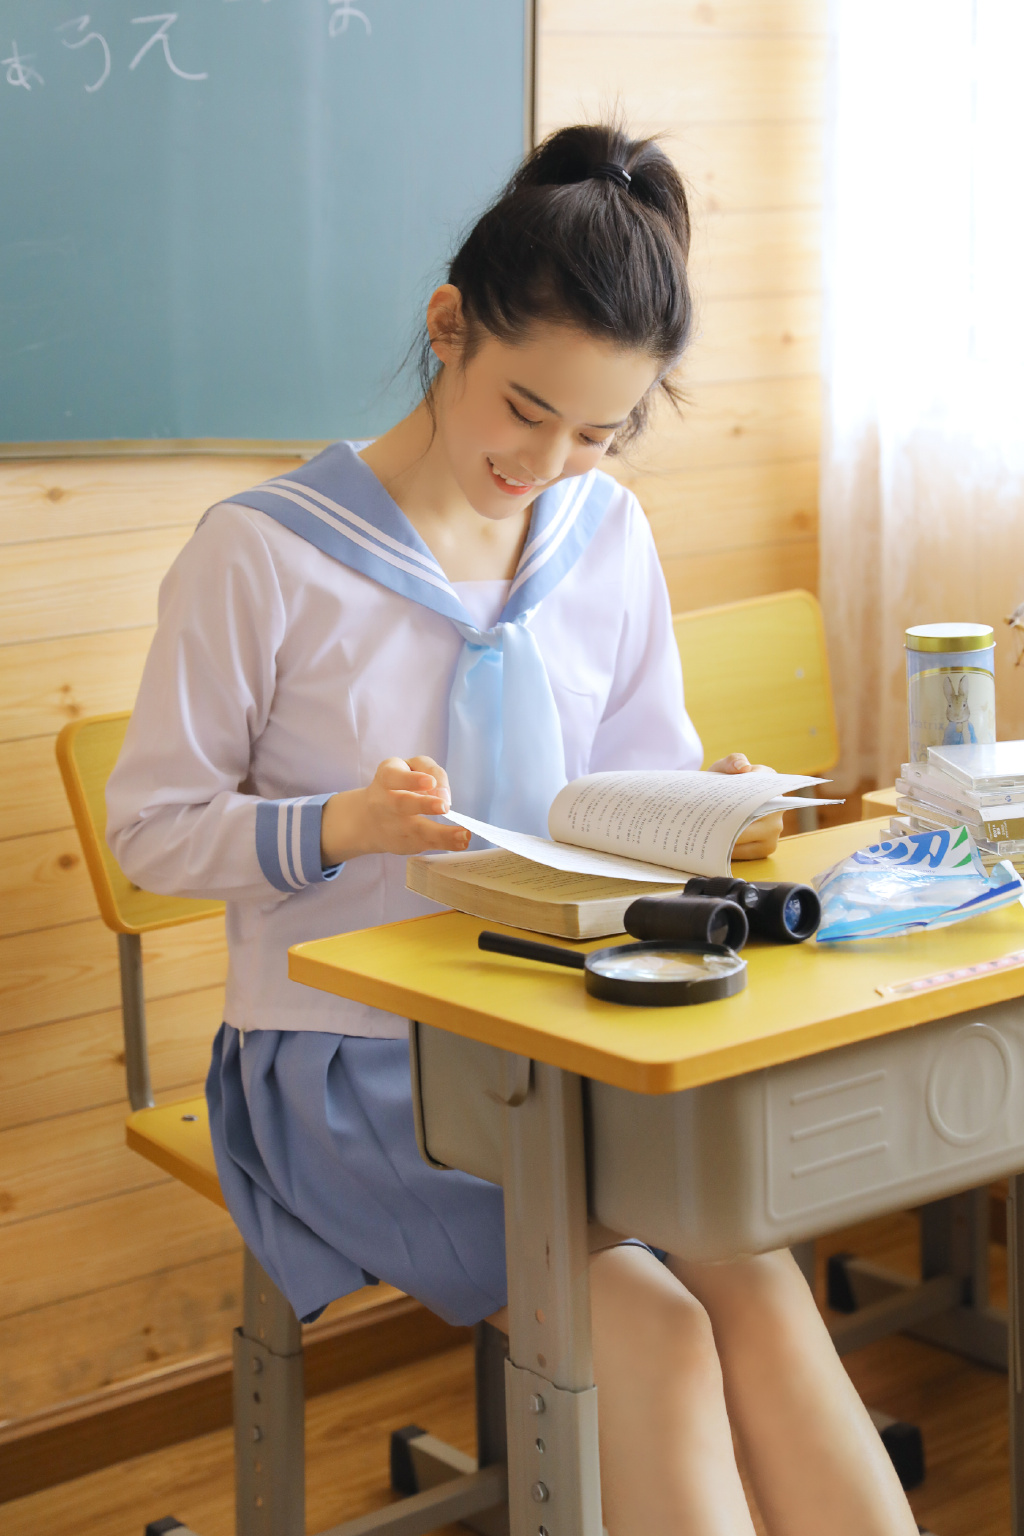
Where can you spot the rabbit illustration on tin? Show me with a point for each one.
(959, 731)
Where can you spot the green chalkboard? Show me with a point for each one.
(223, 221)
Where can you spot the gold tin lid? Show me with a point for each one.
(950, 637)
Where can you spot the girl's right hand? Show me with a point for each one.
(392, 814)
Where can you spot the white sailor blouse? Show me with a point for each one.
(306, 633)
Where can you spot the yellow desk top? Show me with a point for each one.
(799, 999)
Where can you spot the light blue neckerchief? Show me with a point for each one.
(505, 758)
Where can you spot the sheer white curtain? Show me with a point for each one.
(922, 486)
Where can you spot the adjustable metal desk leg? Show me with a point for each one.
(269, 1403)
(554, 1478)
(1015, 1311)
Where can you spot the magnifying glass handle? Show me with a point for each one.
(526, 949)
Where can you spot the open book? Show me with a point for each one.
(614, 836)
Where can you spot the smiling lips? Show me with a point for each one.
(508, 485)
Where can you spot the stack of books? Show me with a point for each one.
(977, 787)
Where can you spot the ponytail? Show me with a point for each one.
(593, 230)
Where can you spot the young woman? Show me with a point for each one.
(470, 591)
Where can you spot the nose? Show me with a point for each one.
(544, 459)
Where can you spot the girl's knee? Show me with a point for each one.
(766, 1290)
(645, 1318)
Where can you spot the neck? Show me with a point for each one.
(411, 463)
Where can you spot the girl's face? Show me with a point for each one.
(519, 416)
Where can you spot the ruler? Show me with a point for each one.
(950, 978)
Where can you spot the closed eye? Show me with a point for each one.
(517, 415)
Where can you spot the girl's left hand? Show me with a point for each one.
(761, 838)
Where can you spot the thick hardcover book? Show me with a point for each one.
(504, 888)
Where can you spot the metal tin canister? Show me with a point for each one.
(951, 686)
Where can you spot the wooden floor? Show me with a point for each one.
(961, 1409)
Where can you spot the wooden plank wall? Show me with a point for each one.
(737, 85)
(111, 1270)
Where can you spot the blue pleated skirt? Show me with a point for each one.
(316, 1152)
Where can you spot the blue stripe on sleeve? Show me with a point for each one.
(288, 842)
(309, 841)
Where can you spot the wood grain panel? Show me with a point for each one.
(63, 1350)
(766, 336)
(730, 167)
(60, 498)
(62, 1068)
(46, 683)
(693, 79)
(735, 167)
(33, 798)
(758, 421)
(81, 586)
(37, 1175)
(169, 1406)
(650, 18)
(756, 251)
(65, 972)
(43, 882)
(729, 575)
(698, 511)
(71, 1252)
(130, 1330)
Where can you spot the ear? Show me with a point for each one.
(947, 688)
(444, 323)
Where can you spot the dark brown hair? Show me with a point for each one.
(568, 242)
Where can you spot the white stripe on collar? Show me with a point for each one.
(374, 548)
(345, 514)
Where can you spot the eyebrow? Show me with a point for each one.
(528, 394)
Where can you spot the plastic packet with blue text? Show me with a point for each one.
(922, 880)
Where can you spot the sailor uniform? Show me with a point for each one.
(306, 633)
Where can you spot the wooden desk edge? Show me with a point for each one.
(657, 1077)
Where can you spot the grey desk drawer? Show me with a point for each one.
(771, 1157)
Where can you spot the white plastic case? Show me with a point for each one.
(772, 1157)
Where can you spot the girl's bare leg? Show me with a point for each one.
(813, 1455)
(667, 1461)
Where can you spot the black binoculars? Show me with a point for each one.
(726, 911)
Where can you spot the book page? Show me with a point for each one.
(685, 820)
(577, 861)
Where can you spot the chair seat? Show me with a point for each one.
(878, 802)
(176, 1137)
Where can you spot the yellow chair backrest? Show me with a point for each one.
(86, 753)
(756, 679)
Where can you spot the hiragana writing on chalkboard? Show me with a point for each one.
(342, 13)
(19, 71)
(160, 36)
(79, 24)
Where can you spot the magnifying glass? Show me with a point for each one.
(661, 973)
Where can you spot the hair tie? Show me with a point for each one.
(610, 172)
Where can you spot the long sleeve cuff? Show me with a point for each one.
(288, 842)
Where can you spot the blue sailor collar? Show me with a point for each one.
(319, 500)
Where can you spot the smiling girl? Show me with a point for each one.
(470, 590)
